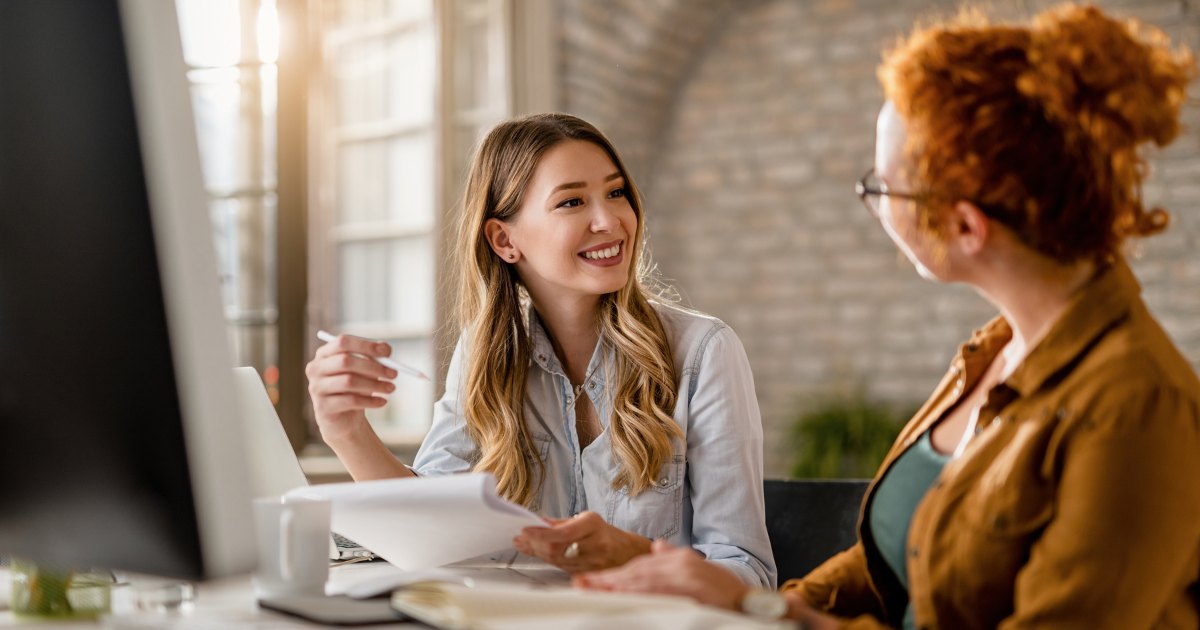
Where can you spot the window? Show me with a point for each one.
(396, 96)
(230, 47)
(406, 87)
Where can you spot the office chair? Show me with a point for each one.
(810, 520)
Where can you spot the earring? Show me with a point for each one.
(512, 256)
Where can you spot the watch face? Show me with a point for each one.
(765, 604)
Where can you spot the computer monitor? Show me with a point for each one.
(121, 444)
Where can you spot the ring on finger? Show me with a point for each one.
(572, 551)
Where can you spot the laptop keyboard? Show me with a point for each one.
(349, 549)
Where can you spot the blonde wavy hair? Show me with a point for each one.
(493, 309)
(1040, 125)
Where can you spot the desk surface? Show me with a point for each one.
(218, 603)
(230, 603)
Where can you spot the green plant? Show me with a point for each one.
(843, 436)
(62, 593)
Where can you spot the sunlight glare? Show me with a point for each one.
(268, 32)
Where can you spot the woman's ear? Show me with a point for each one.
(970, 228)
(500, 239)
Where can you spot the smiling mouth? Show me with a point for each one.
(604, 254)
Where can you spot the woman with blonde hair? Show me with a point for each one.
(590, 400)
(1053, 478)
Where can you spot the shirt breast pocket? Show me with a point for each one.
(1011, 499)
(657, 511)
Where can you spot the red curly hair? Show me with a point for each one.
(1040, 125)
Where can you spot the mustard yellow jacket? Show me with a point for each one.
(1077, 503)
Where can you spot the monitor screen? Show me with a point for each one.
(121, 449)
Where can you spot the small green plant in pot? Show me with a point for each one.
(843, 436)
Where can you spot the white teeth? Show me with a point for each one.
(604, 253)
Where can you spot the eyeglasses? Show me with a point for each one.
(870, 188)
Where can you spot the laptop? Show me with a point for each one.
(274, 468)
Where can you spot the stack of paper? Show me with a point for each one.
(427, 521)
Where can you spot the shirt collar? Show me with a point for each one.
(543, 354)
(542, 350)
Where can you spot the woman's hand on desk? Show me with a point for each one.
(582, 543)
(671, 571)
(344, 382)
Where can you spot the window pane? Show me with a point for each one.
(471, 71)
(411, 81)
(410, 407)
(411, 295)
(388, 79)
(235, 127)
(387, 180)
(211, 31)
(410, 9)
(217, 101)
(363, 278)
(410, 181)
(362, 186)
(388, 281)
(359, 11)
(245, 246)
(360, 72)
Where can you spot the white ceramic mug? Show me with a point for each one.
(293, 546)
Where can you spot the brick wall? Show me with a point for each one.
(747, 123)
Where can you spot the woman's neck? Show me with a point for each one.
(571, 326)
(1032, 292)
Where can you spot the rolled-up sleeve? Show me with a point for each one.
(725, 460)
(448, 448)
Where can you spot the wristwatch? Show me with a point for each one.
(764, 604)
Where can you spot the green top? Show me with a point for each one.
(901, 489)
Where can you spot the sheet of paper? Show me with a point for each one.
(424, 522)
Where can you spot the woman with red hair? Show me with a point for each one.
(1053, 478)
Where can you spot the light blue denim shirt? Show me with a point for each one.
(709, 496)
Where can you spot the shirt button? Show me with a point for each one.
(664, 482)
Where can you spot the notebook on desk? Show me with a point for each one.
(273, 465)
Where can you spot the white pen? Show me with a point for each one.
(385, 362)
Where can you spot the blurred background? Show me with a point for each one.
(335, 135)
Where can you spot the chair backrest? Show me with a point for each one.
(810, 520)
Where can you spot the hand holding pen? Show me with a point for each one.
(386, 362)
(347, 376)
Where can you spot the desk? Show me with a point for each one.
(230, 603)
(219, 603)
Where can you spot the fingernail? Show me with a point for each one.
(392, 373)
